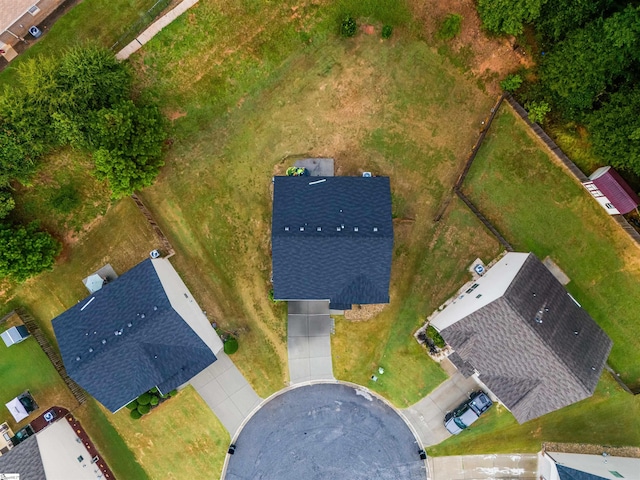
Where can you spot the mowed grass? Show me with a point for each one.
(25, 366)
(180, 439)
(610, 417)
(540, 208)
(272, 81)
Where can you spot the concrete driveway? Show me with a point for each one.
(427, 416)
(484, 467)
(324, 432)
(309, 341)
(226, 391)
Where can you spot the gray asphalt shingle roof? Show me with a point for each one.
(532, 367)
(126, 339)
(566, 473)
(332, 238)
(24, 459)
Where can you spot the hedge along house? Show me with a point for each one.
(142, 330)
(523, 336)
(611, 191)
(332, 239)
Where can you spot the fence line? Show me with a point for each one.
(166, 244)
(53, 355)
(566, 161)
(146, 18)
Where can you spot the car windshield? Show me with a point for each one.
(459, 423)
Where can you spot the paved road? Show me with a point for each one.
(309, 341)
(326, 432)
(226, 391)
(484, 467)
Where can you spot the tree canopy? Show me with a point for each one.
(25, 251)
(508, 16)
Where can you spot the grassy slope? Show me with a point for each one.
(184, 421)
(539, 208)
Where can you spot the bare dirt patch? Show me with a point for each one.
(360, 313)
(492, 58)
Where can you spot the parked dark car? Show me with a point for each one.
(468, 412)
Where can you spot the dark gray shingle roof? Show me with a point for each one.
(154, 345)
(24, 459)
(566, 473)
(332, 238)
(533, 368)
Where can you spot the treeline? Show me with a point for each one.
(82, 99)
(588, 70)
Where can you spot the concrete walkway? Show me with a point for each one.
(427, 416)
(309, 341)
(227, 392)
(484, 467)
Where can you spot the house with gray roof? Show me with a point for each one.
(332, 239)
(525, 338)
(140, 331)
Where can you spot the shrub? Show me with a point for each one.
(173, 393)
(135, 414)
(154, 401)
(133, 405)
(348, 27)
(387, 30)
(537, 111)
(231, 346)
(144, 409)
(154, 390)
(66, 199)
(144, 399)
(450, 27)
(511, 83)
(437, 339)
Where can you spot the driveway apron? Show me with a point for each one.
(484, 467)
(227, 392)
(309, 341)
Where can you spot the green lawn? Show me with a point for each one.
(610, 417)
(539, 208)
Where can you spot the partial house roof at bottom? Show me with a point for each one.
(332, 239)
(613, 186)
(566, 473)
(24, 459)
(127, 338)
(533, 347)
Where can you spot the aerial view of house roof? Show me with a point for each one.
(332, 239)
(617, 191)
(140, 331)
(529, 341)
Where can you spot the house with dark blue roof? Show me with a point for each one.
(332, 239)
(142, 330)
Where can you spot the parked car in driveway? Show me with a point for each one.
(468, 412)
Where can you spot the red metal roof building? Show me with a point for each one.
(611, 191)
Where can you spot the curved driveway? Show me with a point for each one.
(326, 431)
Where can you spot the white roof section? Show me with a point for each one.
(491, 286)
(17, 410)
(11, 336)
(11, 10)
(599, 172)
(63, 454)
(183, 302)
(599, 465)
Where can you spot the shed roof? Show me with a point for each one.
(332, 239)
(534, 347)
(127, 338)
(613, 186)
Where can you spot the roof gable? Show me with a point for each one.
(332, 239)
(126, 338)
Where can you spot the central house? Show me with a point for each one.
(332, 239)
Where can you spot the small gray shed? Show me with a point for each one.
(14, 335)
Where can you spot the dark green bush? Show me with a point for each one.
(231, 346)
(154, 401)
(144, 399)
(433, 334)
(173, 393)
(154, 390)
(144, 409)
(450, 27)
(133, 405)
(387, 30)
(135, 414)
(348, 27)
(511, 83)
(66, 199)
